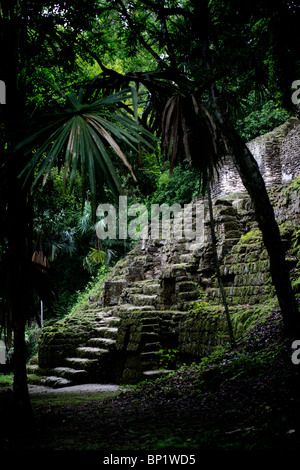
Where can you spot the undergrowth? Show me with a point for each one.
(242, 398)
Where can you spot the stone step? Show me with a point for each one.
(155, 315)
(190, 295)
(148, 327)
(32, 368)
(152, 347)
(142, 299)
(186, 286)
(136, 308)
(149, 359)
(93, 310)
(112, 320)
(55, 382)
(106, 332)
(180, 269)
(187, 258)
(136, 289)
(106, 321)
(152, 319)
(74, 375)
(248, 294)
(91, 352)
(156, 373)
(151, 289)
(106, 343)
(81, 362)
(241, 268)
(149, 337)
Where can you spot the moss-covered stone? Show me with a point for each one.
(61, 340)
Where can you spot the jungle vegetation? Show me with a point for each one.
(135, 97)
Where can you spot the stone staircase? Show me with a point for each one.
(91, 361)
(94, 360)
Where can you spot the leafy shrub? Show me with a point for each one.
(179, 188)
(168, 357)
(263, 118)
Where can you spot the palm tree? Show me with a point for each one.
(82, 137)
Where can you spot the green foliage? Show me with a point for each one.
(58, 234)
(295, 258)
(95, 259)
(179, 188)
(293, 186)
(87, 135)
(295, 242)
(253, 236)
(94, 286)
(168, 357)
(262, 118)
(55, 216)
(6, 380)
(31, 338)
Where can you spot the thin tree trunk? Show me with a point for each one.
(18, 230)
(217, 266)
(23, 411)
(249, 172)
(18, 293)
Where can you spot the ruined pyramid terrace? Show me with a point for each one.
(160, 306)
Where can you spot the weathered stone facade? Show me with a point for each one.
(164, 296)
(277, 154)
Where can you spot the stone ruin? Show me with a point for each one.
(161, 305)
(277, 154)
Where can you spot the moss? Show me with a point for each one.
(6, 380)
(34, 379)
(254, 236)
(293, 186)
(61, 340)
(205, 328)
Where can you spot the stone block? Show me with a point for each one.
(112, 292)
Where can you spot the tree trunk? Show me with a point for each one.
(18, 230)
(18, 295)
(249, 172)
(22, 408)
(217, 266)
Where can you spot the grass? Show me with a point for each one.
(6, 380)
(70, 399)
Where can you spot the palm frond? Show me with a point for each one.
(83, 138)
(189, 131)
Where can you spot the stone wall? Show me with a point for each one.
(277, 154)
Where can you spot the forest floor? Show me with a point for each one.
(241, 399)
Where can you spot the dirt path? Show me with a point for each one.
(75, 389)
